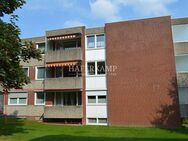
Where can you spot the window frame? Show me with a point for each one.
(37, 46)
(92, 96)
(95, 41)
(96, 68)
(36, 73)
(17, 101)
(97, 100)
(27, 70)
(92, 122)
(36, 99)
(98, 47)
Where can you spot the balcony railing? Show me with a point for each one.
(64, 55)
(63, 112)
(63, 82)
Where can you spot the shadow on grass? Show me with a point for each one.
(86, 138)
(10, 126)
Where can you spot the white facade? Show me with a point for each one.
(96, 88)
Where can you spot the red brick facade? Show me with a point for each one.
(49, 98)
(32, 72)
(31, 98)
(144, 91)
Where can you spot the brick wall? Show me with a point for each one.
(144, 91)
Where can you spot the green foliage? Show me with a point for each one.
(8, 6)
(185, 121)
(12, 50)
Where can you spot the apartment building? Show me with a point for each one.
(137, 88)
(180, 38)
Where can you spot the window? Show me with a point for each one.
(102, 120)
(13, 101)
(41, 46)
(68, 98)
(181, 63)
(96, 41)
(100, 41)
(40, 72)
(96, 68)
(101, 67)
(92, 120)
(96, 99)
(92, 99)
(17, 101)
(17, 98)
(91, 41)
(26, 71)
(91, 68)
(180, 33)
(102, 99)
(39, 98)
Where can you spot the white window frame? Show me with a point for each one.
(36, 72)
(27, 70)
(17, 101)
(96, 74)
(36, 98)
(97, 101)
(95, 41)
(97, 121)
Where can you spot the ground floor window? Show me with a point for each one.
(40, 98)
(97, 120)
(17, 99)
(92, 120)
(102, 120)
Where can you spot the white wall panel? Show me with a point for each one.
(96, 83)
(95, 54)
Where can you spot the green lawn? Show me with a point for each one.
(33, 131)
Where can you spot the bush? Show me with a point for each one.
(185, 120)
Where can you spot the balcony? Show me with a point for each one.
(63, 82)
(63, 112)
(64, 55)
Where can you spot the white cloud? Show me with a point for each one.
(73, 23)
(105, 9)
(109, 10)
(148, 7)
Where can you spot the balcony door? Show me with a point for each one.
(67, 98)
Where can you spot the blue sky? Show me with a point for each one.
(38, 16)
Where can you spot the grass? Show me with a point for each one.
(24, 130)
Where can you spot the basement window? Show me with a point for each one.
(102, 120)
(92, 120)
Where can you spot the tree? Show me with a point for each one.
(12, 50)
